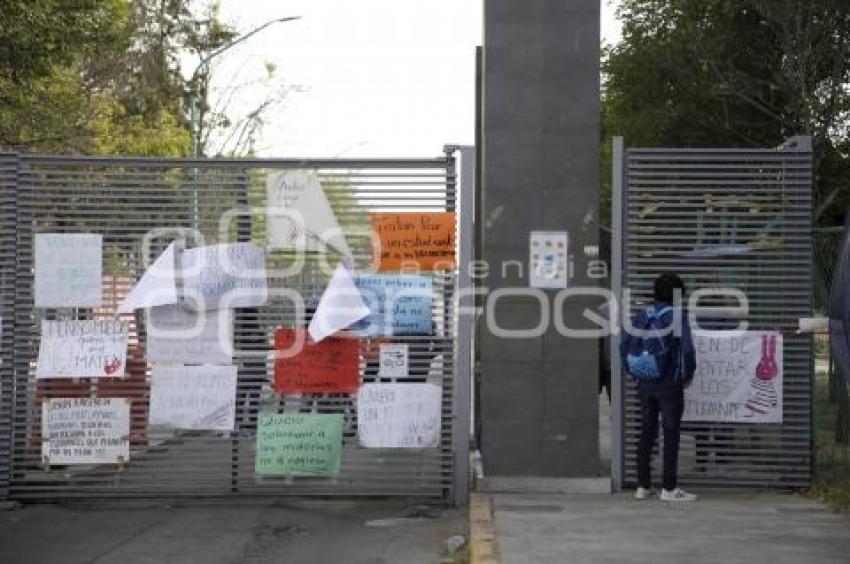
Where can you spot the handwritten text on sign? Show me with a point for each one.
(738, 379)
(82, 349)
(301, 444)
(399, 415)
(328, 366)
(398, 304)
(193, 397)
(68, 269)
(414, 240)
(224, 276)
(177, 335)
(85, 431)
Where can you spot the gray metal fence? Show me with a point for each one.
(123, 199)
(735, 219)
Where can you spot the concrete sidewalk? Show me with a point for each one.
(364, 531)
(723, 527)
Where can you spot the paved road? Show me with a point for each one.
(292, 531)
(750, 528)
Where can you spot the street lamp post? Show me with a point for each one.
(194, 113)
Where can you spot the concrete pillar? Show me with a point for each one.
(540, 172)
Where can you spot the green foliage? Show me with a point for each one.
(99, 76)
(732, 73)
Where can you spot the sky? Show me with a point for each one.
(373, 78)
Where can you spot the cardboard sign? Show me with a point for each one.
(399, 415)
(82, 349)
(392, 360)
(331, 366)
(178, 336)
(85, 431)
(416, 240)
(299, 444)
(224, 276)
(738, 379)
(68, 269)
(193, 397)
(398, 304)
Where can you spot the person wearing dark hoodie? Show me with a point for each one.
(662, 332)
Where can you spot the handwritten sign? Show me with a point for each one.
(331, 365)
(399, 415)
(420, 240)
(176, 335)
(392, 360)
(398, 304)
(68, 269)
(300, 444)
(82, 349)
(299, 215)
(224, 276)
(193, 397)
(738, 379)
(85, 431)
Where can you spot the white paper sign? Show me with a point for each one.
(738, 379)
(399, 415)
(393, 360)
(179, 336)
(340, 307)
(224, 276)
(68, 269)
(548, 264)
(85, 430)
(193, 397)
(299, 215)
(157, 286)
(82, 349)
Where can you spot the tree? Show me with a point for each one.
(733, 73)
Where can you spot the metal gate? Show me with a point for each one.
(123, 199)
(722, 218)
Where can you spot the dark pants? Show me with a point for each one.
(668, 400)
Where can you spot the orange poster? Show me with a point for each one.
(329, 366)
(414, 239)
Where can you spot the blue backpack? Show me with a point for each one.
(648, 355)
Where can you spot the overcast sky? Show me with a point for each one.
(379, 78)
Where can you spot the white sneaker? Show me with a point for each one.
(642, 493)
(676, 495)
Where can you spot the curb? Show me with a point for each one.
(483, 548)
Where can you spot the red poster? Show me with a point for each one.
(330, 366)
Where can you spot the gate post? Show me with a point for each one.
(8, 206)
(464, 302)
(617, 195)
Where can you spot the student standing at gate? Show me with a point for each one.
(659, 355)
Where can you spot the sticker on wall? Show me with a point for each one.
(548, 262)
